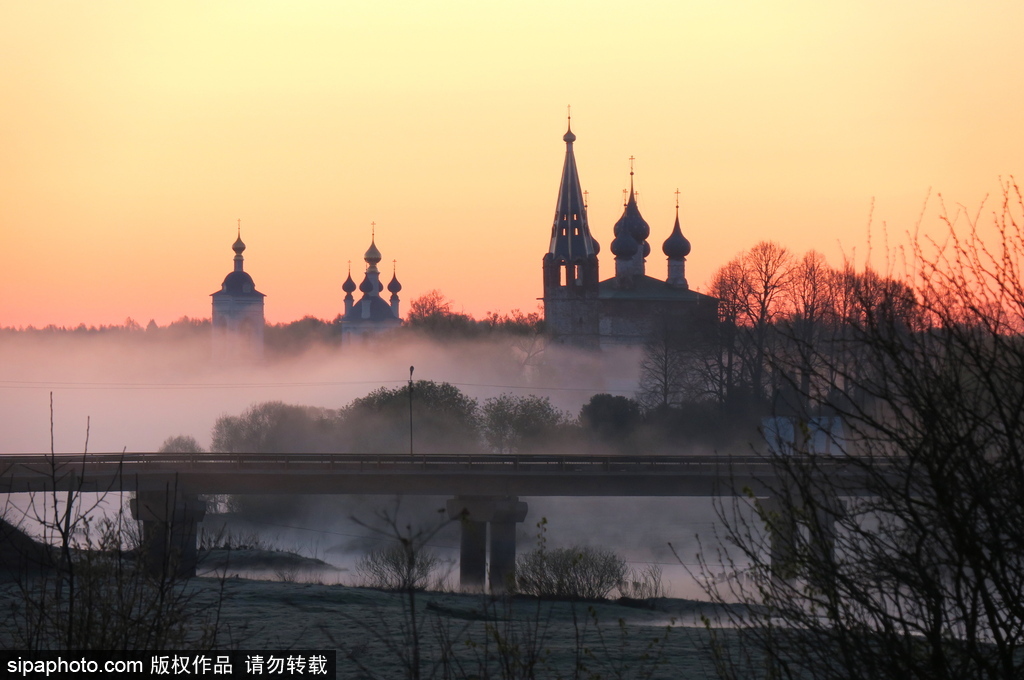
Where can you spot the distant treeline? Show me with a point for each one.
(431, 315)
(445, 420)
(183, 326)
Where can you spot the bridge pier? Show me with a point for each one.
(782, 540)
(784, 530)
(473, 555)
(503, 554)
(170, 520)
(502, 513)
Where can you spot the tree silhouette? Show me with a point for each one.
(891, 544)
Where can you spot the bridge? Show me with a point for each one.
(485, 489)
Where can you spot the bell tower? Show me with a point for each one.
(570, 265)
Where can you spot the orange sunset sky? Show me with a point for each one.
(134, 134)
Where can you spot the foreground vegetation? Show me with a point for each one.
(890, 545)
(106, 599)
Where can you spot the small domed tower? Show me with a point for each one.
(349, 287)
(371, 314)
(676, 248)
(238, 313)
(394, 287)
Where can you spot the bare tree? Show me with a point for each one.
(890, 542)
(753, 290)
(85, 583)
(679, 367)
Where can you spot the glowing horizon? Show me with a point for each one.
(136, 135)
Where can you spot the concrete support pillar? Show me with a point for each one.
(475, 513)
(823, 540)
(503, 556)
(818, 528)
(473, 556)
(828, 510)
(783, 549)
(169, 525)
(782, 537)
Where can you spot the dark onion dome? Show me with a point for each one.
(239, 283)
(569, 136)
(676, 247)
(394, 287)
(633, 221)
(369, 285)
(238, 246)
(624, 246)
(597, 246)
(349, 286)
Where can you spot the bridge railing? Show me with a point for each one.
(366, 462)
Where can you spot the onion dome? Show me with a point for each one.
(238, 246)
(394, 287)
(349, 286)
(624, 246)
(631, 219)
(367, 286)
(569, 136)
(372, 256)
(676, 247)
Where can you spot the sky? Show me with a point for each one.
(134, 136)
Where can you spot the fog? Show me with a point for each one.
(341, 529)
(134, 392)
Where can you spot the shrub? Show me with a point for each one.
(94, 594)
(643, 584)
(610, 417)
(576, 573)
(397, 567)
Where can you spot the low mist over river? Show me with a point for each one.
(137, 391)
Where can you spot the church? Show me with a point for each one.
(238, 320)
(370, 314)
(238, 313)
(582, 310)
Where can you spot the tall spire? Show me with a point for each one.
(570, 234)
